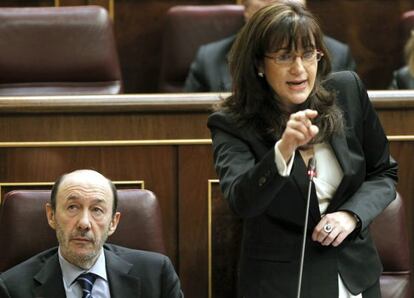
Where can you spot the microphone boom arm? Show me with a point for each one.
(311, 173)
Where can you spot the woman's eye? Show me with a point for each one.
(284, 57)
(308, 54)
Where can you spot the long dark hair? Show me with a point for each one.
(253, 101)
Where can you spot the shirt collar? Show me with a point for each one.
(70, 272)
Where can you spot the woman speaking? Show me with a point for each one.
(286, 108)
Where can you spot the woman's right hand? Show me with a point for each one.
(299, 131)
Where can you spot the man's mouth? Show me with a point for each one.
(81, 239)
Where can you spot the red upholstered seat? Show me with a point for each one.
(24, 230)
(58, 51)
(187, 27)
(389, 231)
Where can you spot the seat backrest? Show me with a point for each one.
(187, 27)
(24, 230)
(389, 231)
(58, 51)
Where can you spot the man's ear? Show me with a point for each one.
(114, 223)
(50, 214)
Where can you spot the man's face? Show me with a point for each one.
(251, 6)
(83, 217)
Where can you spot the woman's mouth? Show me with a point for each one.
(297, 84)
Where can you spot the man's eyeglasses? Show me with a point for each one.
(289, 58)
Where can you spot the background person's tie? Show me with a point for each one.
(86, 281)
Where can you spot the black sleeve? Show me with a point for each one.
(170, 283)
(195, 81)
(379, 187)
(249, 184)
(4, 293)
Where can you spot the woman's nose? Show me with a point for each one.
(297, 65)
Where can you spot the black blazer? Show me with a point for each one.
(209, 72)
(131, 273)
(273, 206)
(402, 79)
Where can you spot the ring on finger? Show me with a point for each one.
(328, 228)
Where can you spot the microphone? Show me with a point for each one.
(311, 173)
(311, 169)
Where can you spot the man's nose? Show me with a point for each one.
(84, 222)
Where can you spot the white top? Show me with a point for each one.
(70, 272)
(328, 176)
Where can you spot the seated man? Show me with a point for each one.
(209, 71)
(82, 210)
(403, 78)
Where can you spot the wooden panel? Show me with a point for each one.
(155, 165)
(402, 151)
(72, 2)
(25, 3)
(148, 117)
(103, 3)
(225, 234)
(395, 110)
(195, 169)
(74, 127)
(74, 118)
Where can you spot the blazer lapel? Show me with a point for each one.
(121, 283)
(341, 150)
(50, 280)
(300, 176)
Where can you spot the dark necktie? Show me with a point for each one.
(86, 281)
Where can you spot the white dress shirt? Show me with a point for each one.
(328, 176)
(70, 272)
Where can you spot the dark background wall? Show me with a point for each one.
(370, 27)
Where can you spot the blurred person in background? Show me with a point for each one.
(209, 71)
(403, 78)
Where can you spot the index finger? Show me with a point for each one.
(311, 114)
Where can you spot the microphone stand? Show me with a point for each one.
(311, 174)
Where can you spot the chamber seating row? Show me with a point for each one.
(22, 214)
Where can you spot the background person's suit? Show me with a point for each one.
(131, 273)
(273, 206)
(402, 79)
(209, 72)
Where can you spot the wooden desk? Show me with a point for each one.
(161, 140)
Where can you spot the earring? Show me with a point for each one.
(260, 74)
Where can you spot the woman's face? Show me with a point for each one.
(291, 74)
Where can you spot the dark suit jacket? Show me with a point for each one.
(131, 273)
(402, 79)
(209, 71)
(273, 207)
